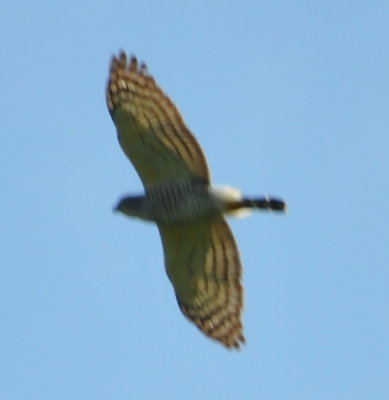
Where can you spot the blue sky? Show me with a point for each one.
(287, 98)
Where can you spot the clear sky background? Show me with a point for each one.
(289, 98)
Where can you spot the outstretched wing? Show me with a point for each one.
(151, 131)
(202, 262)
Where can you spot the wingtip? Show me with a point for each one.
(128, 63)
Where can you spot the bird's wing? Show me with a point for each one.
(151, 130)
(202, 262)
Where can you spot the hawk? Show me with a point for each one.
(201, 256)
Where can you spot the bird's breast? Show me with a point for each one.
(180, 203)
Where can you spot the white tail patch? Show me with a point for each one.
(227, 194)
(241, 213)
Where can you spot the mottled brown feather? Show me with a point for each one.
(202, 262)
(150, 129)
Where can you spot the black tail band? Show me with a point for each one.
(265, 203)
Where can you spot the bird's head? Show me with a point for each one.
(130, 206)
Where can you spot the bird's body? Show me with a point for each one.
(175, 203)
(201, 255)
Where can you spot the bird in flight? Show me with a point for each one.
(201, 256)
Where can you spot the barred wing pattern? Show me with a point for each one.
(202, 262)
(151, 131)
(201, 258)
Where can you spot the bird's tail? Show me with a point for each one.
(238, 206)
(245, 205)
